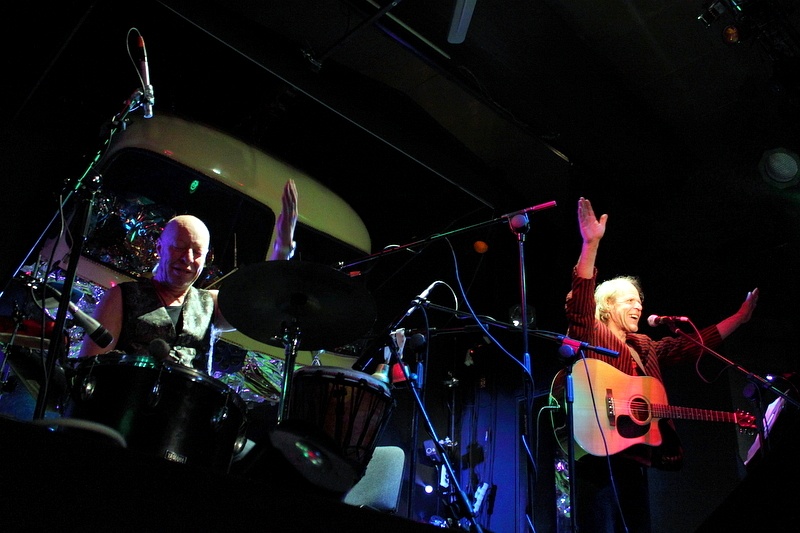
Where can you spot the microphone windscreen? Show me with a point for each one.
(415, 341)
(159, 349)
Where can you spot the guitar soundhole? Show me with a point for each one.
(640, 410)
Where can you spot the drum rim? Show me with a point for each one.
(149, 362)
(331, 372)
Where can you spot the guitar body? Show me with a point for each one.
(613, 411)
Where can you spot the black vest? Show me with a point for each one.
(145, 319)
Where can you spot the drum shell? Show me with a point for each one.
(350, 407)
(160, 409)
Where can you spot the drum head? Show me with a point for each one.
(315, 456)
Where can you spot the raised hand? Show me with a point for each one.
(592, 228)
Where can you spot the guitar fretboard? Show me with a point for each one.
(690, 413)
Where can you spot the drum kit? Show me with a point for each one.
(332, 415)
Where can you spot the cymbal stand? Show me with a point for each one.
(291, 341)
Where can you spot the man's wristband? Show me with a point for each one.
(284, 250)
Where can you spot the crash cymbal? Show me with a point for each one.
(329, 307)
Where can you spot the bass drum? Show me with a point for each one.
(161, 409)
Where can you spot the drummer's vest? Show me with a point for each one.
(145, 319)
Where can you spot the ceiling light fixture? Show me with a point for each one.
(780, 167)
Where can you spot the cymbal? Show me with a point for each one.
(328, 307)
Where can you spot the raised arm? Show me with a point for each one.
(729, 325)
(285, 224)
(592, 230)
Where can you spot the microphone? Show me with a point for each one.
(415, 340)
(422, 296)
(100, 335)
(144, 70)
(159, 348)
(655, 320)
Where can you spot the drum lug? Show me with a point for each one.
(241, 440)
(219, 419)
(88, 386)
(155, 394)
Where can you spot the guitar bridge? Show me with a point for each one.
(612, 417)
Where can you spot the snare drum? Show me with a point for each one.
(345, 413)
(161, 409)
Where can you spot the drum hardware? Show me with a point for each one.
(87, 388)
(219, 418)
(155, 393)
(154, 397)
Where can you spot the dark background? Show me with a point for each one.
(638, 106)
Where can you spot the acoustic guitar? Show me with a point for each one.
(613, 411)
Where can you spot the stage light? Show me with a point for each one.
(780, 168)
(711, 13)
(731, 34)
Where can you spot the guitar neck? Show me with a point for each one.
(690, 413)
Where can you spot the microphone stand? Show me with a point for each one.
(568, 351)
(518, 221)
(750, 376)
(86, 187)
(520, 225)
(437, 236)
(466, 507)
(755, 378)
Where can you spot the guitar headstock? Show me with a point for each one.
(745, 421)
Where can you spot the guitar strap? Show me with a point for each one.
(638, 360)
